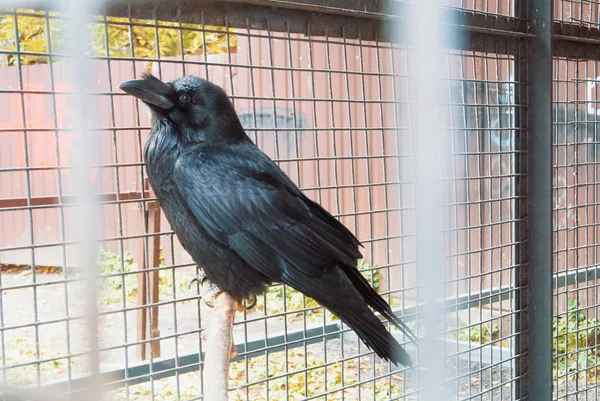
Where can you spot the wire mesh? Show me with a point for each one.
(576, 236)
(495, 7)
(333, 108)
(578, 12)
(575, 304)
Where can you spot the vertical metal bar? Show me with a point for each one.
(28, 188)
(311, 66)
(152, 244)
(536, 359)
(178, 375)
(61, 210)
(153, 223)
(520, 231)
(118, 187)
(86, 155)
(142, 290)
(427, 144)
(336, 175)
(198, 301)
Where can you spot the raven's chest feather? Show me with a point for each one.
(160, 155)
(222, 265)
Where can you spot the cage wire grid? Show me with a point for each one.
(575, 179)
(575, 165)
(331, 104)
(228, 64)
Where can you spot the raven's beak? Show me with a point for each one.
(150, 90)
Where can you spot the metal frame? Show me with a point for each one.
(373, 19)
(537, 279)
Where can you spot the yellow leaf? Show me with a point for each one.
(139, 40)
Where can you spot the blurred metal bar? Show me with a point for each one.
(87, 152)
(538, 356)
(425, 90)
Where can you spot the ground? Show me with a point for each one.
(306, 376)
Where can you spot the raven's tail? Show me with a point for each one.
(375, 335)
(375, 301)
(347, 297)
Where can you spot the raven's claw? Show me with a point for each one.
(200, 279)
(252, 302)
(210, 294)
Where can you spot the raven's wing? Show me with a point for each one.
(243, 200)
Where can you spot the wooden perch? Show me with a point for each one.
(219, 348)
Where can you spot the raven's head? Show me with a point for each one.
(190, 104)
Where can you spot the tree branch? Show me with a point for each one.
(219, 348)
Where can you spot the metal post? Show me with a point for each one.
(427, 146)
(537, 360)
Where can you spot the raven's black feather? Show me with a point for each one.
(243, 220)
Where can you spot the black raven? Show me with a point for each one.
(242, 219)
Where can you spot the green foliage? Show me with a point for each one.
(371, 274)
(481, 334)
(575, 347)
(110, 37)
(115, 276)
(111, 287)
(21, 350)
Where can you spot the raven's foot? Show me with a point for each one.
(208, 293)
(241, 306)
(211, 292)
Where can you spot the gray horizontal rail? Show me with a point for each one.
(316, 19)
(485, 354)
(575, 276)
(189, 363)
(369, 20)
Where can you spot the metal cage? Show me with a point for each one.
(323, 87)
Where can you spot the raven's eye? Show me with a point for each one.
(184, 98)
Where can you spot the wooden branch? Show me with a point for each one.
(148, 282)
(219, 349)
